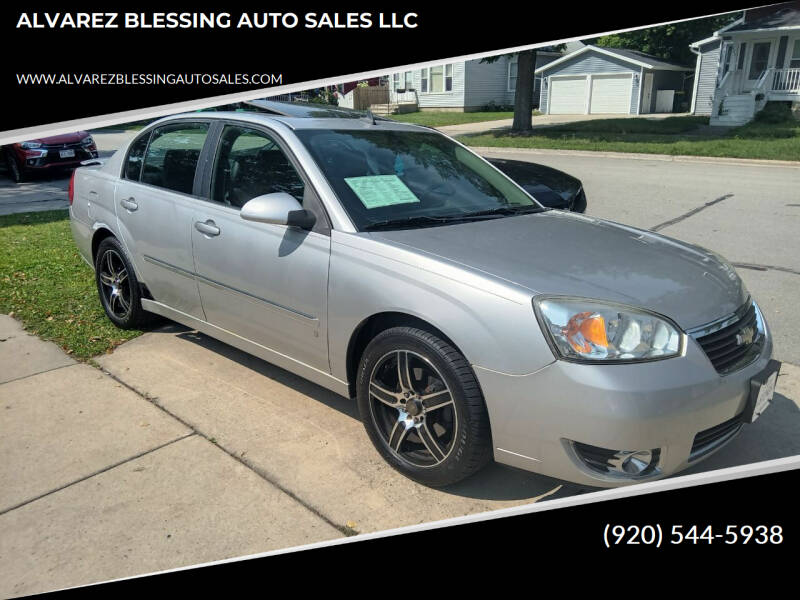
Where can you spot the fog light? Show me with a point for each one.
(628, 464)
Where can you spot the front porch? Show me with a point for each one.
(756, 67)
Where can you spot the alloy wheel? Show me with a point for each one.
(413, 408)
(115, 284)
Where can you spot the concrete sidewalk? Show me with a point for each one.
(97, 482)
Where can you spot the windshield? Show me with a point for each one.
(390, 179)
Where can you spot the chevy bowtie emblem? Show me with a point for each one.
(745, 336)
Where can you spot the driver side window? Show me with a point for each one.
(249, 163)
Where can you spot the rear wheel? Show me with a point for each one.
(422, 407)
(118, 287)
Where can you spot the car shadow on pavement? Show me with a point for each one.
(495, 482)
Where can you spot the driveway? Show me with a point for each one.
(49, 191)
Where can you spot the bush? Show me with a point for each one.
(494, 107)
(775, 113)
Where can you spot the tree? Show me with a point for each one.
(523, 90)
(668, 42)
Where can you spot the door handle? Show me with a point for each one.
(129, 204)
(207, 228)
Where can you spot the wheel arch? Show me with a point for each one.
(101, 232)
(374, 325)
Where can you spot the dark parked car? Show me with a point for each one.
(549, 186)
(45, 154)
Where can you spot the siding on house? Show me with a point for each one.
(451, 99)
(487, 82)
(592, 63)
(707, 77)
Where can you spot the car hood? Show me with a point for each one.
(562, 253)
(64, 138)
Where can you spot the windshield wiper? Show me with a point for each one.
(411, 221)
(504, 210)
(456, 218)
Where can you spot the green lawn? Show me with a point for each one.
(440, 119)
(45, 284)
(673, 135)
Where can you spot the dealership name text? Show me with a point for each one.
(212, 20)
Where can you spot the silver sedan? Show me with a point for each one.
(391, 264)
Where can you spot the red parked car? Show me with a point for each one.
(45, 154)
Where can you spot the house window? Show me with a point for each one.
(402, 81)
(437, 79)
(742, 52)
(794, 62)
(512, 75)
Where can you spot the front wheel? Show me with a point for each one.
(15, 171)
(422, 407)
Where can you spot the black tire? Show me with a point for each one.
(16, 171)
(117, 286)
(435, 441)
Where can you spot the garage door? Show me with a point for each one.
(611, 94)
(568, 95)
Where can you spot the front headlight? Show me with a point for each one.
(87, 141)
(593, 330)
(31, 145)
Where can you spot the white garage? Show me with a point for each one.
(611, 94)
(614, 81)
(568, 95)
(573, 94)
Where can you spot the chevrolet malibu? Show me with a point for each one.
(390, 264)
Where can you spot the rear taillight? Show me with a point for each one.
(71, 190)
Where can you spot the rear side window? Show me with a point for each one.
(173, 154)
(133, 164)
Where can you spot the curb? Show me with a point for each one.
(637, 156)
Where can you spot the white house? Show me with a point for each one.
(748, 63)
(462, 85)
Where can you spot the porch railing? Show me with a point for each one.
(406, 96)
(786, 81)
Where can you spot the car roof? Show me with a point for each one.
(304, 115)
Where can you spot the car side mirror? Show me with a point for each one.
(279, 208)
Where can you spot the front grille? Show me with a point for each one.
(709, 439)
(73, 145)
(731, 346)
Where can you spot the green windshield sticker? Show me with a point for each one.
(376, 191)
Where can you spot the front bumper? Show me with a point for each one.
(49, 158)
(632, 407)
